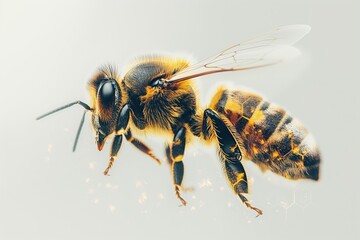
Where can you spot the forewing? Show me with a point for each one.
(264, 50)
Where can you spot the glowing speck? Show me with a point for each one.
(108, 185)
(229, 204)
(50, 146)
(90, 191)
(142, 198)
(193, 208)
(161, 196)
(96, 201)
(193, 197)
(87, 180)
(66, 130)
(205, 183)
(92, 165)
(251, 180)
(112, 208)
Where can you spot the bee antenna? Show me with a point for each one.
(84, 105)
(79, 130)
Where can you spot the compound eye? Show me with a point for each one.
(107, 94)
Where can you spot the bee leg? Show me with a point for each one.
(237, 178)
(247, 203)
(121, 124)
(168, 154)
(224, 131)
(114, 151)
(141, 146)
(170, 162)
(176, 154)
(230, 153)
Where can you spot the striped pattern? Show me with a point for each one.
(271, 138)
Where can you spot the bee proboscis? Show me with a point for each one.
(157, 93)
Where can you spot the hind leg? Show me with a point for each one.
(229, 152)
(236, 175)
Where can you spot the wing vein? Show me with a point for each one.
(267, 49)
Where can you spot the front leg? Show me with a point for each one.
(115, 147)
(121, 125)
(177, 166)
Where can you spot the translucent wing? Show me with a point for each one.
(264, 50)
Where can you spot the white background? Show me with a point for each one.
(49, 49)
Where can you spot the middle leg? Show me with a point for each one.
(175, 155)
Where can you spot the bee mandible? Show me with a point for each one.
(157, 93)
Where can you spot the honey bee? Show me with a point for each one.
(157, 93)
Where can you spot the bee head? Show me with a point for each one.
(106, 100)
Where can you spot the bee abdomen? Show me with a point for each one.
(249, 113)
(270, 137)
(293, 151)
